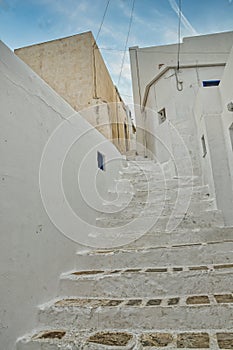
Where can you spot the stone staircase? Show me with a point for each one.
(165, 290)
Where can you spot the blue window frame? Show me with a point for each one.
(208, 83)
(100, 160)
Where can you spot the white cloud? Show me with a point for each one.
(138, 20)
(184, 20)
(170, 36)
(85, 15)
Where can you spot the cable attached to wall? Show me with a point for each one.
(126, 42)
(179, 84)
(179, 35)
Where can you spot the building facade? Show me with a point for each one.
(188, 97)
(75, 69)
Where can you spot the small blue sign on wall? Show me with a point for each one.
(101, 161)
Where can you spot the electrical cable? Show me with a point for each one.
(179, 84)
(94, 47)
(126, 42)
(102, 22)
(179, 36)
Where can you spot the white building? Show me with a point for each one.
(189, 98)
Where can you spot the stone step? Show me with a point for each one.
(196, 236)
(163, 212)
(99, 315)
(56, 339)
(133, 170)
(133, 210)
(130, 157)
(205, 219)
(183, 191)
(49, 339)
(152, 177)
(198, 191)
(142, 162)
(112, 232)
(130, 340)
(163, 282)
(202, 205)
(152, 184)
(130, 153)
(141, 159)
(192, 255)
(158, 196)
(152, 167)
(131, 237)
(136, 176)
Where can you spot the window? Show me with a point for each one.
(203, 146)
(162, 116)
(231, 135)
(100, 160)
(126, 137)
(208, 83)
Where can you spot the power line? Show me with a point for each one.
(101, 24)
(94, 47)
(126, 95)
(111, 49)
(179, 35)
(126, 42)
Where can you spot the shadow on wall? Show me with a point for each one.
(33, 252)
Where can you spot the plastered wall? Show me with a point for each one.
(33, 252)
(75, 69)
(148, 63)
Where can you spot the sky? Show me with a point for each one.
(154, 22)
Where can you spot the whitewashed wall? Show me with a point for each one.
(147, 64)
(226, 92)
(195, 111)
(33, 252)
(179, 112)
(213, 121)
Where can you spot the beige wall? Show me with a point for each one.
(66, 65)
(75, 69)
(107, 92)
